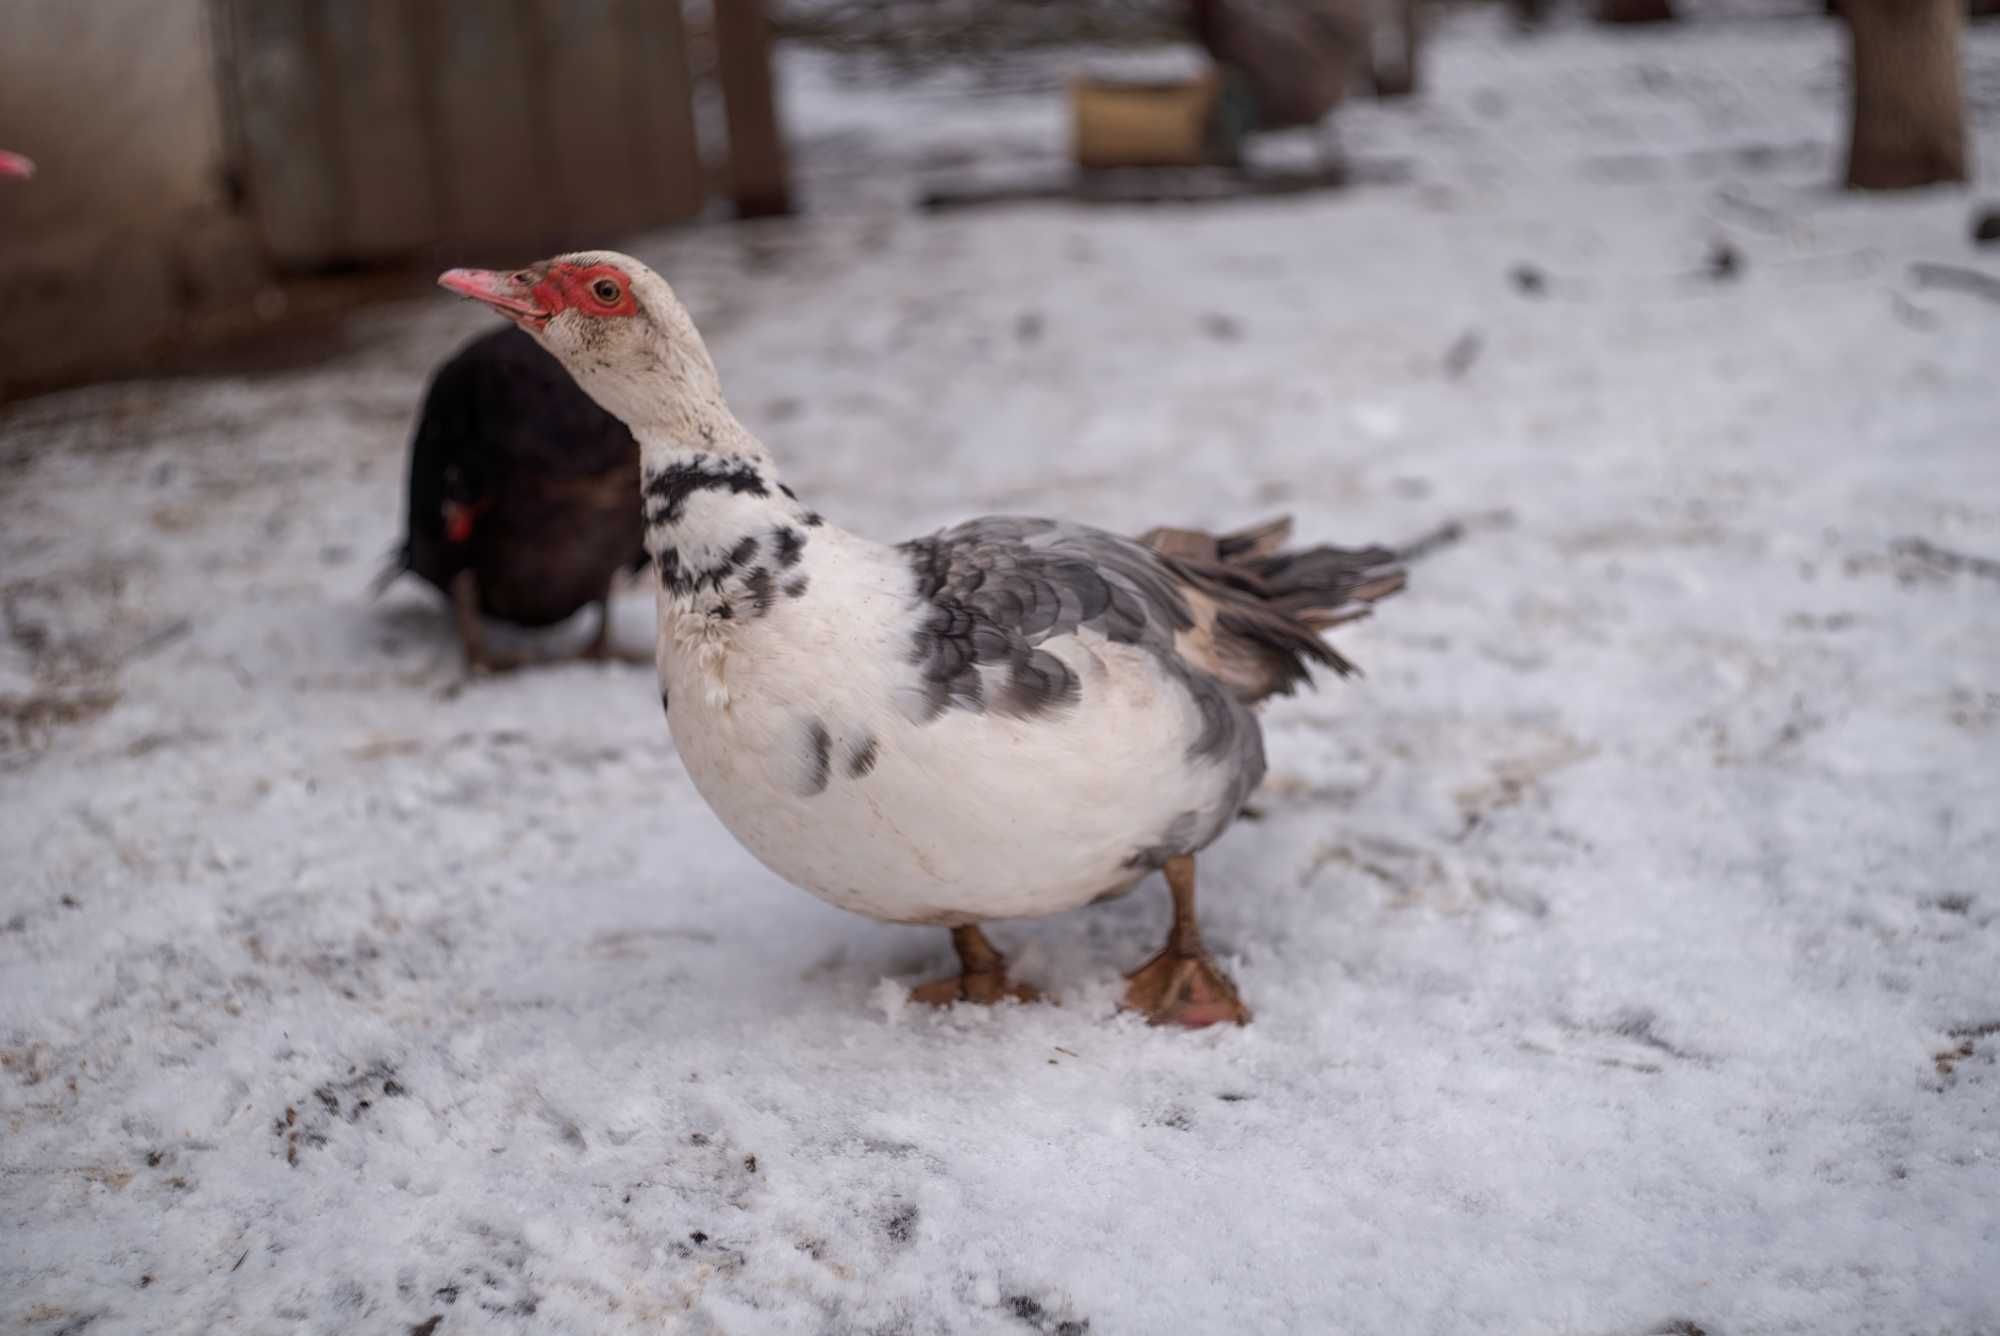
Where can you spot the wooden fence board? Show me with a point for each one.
(289, 167)
(387, 179)
(480, 131)
(494, 164)
(587, 48)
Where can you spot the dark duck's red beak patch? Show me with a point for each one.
(459, 518)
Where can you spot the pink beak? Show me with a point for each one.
(13, 164)
(512, 295)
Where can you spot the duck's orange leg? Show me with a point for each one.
(1182, 985)
(982, 976)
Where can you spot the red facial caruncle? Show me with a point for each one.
(459, 517)
(600, 290)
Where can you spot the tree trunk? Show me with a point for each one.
(1635, 11)
(1908, 102)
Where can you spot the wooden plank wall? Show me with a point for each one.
(485, 131)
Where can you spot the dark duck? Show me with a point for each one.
(523, 497)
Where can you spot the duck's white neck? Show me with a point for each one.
(717, 512)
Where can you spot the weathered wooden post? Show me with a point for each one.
(759, 183)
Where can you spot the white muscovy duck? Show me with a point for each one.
(1009, 718)
(13, 164)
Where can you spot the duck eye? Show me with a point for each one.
(605, 291)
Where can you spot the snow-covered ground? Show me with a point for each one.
(1625, 947)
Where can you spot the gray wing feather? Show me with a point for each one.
(993, 591)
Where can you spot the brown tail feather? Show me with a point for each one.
(1260, 608)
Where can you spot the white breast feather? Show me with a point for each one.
(962, 817)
